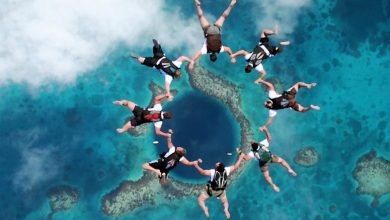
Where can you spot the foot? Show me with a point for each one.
(276, 29)
(292, 172)
(206, 212)
(119, 102)
(315, 107)
(155, 43)
(311, 85)
(197, 2)
(285, 43)
(233, 3)
(120, 130)
(276, 188)
(227, 213)
(134, 55)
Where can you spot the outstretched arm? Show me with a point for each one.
(245, 156)
(194, 59)
(237, 164)
(168, 90)
(160, 133)
(200, 170)
(269, 85)
(262, 74)
(158, 99)
(269, 121)
(184, 59)
(267, 134)
(188, 163)
(239, 53)
(169, 139)
(229, 51)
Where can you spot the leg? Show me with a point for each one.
(269, 179)
(150, 61)
(300, 108)
(202, 19)
(267, 32)
(130, 105)
(285, 43)
(147, 167)
(225, 14)
(300, 84)
(201, 201)
(225, 204)
(137, 111)
(125, 127)
(157, 50)
(286, 165)
(138, 58)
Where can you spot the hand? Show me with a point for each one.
(169, 96)
(170, 131)
(191, 66)
(257, 81)
(199, 160)
(276, 31)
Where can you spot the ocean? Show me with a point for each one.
(64, 134)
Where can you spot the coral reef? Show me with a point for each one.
(130, 195)
(373, 175)
(62, 198)
(307, 157)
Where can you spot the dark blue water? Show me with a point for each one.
(205, 128)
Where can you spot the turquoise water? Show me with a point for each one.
(198, 122)
(66, 134)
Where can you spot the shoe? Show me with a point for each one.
(155, 43)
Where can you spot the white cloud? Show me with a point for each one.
(37, 167)
(45, 40)
(37, 164)
(285, 13)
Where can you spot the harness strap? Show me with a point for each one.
(159, 60)
(266, 51)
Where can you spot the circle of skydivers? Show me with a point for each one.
(170, 69)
